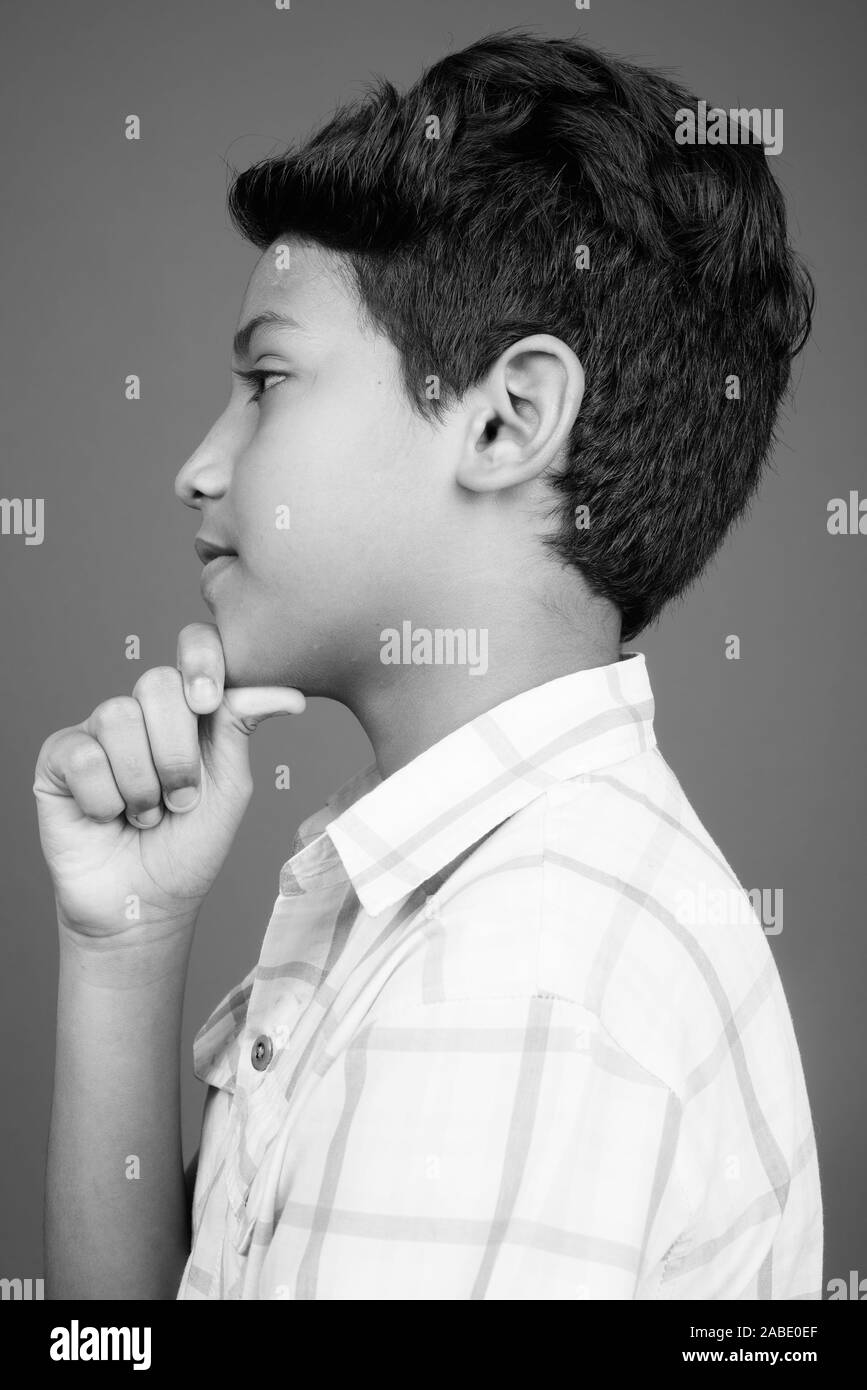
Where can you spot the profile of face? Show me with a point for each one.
(344, 510)
(318, 476)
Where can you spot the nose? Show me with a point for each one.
(208, 471)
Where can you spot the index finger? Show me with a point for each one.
(200, 662)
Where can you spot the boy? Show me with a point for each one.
(482, 428)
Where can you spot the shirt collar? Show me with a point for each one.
(394, 834)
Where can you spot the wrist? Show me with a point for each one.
(143, 956)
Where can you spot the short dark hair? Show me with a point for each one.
(463, 244)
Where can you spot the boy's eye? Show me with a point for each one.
(258, 380)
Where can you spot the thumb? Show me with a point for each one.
(240, 711)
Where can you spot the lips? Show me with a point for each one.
(212, 575)
(211, 550)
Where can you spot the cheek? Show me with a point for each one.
(320, 487)
(264, 514)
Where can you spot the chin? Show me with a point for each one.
(255, 661)
(244, 658)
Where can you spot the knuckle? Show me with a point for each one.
(119, 709)
(159, 682)
(48, 746)
(85, 759)
(54, 737)
(137, 769)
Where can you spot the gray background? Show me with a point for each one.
(117, 257)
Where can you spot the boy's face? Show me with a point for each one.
(329, 489)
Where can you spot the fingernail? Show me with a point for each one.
(182, 799)
(203, 691)
(148, 819)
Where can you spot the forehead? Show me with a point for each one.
(304, 280)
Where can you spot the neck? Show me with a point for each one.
(405, 706)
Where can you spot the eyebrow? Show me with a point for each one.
(241, 340)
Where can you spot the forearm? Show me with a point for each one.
(116, 1215)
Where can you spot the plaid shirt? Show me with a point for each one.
(486, 1053)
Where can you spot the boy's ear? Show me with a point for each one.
(521, 414)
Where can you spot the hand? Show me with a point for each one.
(139, 804)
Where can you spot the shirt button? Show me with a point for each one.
(262, 1052)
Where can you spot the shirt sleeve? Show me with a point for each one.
(495, 1148)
